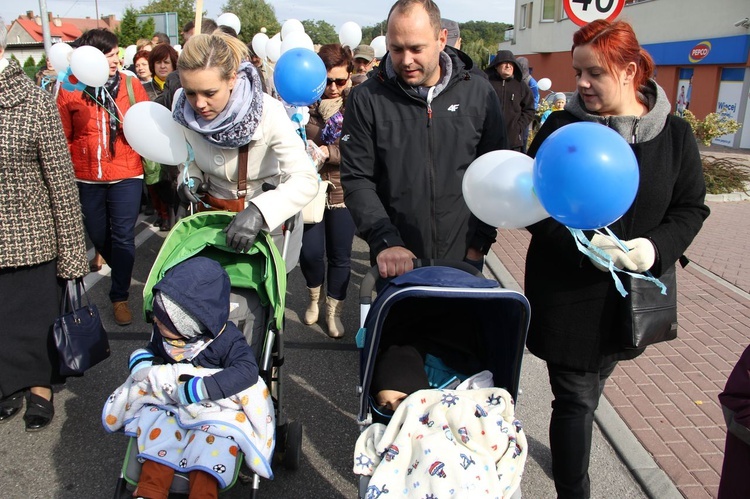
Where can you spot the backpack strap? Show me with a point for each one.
(129, 85)
(242, 173)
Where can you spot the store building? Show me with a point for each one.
(701, 49)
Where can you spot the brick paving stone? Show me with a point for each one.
(715, 461)
(686, 406)
(665, 430)
(672, 373)
(695, 492)
(653, 443)
(675, 417)
(713, 433)
(644, 407)
(664, 384)
(654, 395)
(676, 471)
(698, 442)
(709, 478)
(633, 418)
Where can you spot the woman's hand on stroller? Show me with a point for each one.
(244, 227)
(188, 191)
(191, 389)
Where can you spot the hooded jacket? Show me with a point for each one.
(516, 99)
(575, 305)
(201, 286)
(403, 158)
(526, 77)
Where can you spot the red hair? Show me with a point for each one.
(617, 46)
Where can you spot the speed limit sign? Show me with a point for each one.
(583, 12)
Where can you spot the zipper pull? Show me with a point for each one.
(429, 115)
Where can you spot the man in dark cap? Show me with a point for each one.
(516, 99)
(364, 59)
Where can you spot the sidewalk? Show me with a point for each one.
(668, 396)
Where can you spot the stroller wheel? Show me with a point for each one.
(292, 445)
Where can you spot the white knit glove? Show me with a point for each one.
(642, 253)
(619, 258)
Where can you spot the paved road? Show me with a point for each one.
(75, 458)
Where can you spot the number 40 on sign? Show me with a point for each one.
(583, 12)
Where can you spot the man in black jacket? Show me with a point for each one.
(409, 134)
(516, 98)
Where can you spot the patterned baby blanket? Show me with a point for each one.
(204, 436)
(445, 443)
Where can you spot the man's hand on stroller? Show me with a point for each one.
(395, 261)
(244, 227)
(191, 389)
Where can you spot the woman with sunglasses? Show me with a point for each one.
(333, 236)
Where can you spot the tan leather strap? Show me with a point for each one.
(242, 172)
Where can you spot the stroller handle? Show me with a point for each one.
(372, 276)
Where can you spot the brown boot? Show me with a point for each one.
(313, 308)
(123, 317)
(333, 317)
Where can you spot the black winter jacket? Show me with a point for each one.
(574, 319)
(403, 161)
(516, 99)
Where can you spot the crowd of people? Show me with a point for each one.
(394, 149)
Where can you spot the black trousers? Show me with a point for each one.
(576, 397)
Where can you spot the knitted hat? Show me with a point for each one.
(175, 318)
(559, 96)
(399, 368)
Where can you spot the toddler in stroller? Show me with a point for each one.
(193, 398)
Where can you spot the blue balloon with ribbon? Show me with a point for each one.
(69, 80)
(585, 175)
(300, 76)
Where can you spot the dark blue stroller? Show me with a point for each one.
(470, 322)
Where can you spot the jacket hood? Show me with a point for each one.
(523, 63)
(634, 129)
(453, 63)
(201, 286)
(505, 56)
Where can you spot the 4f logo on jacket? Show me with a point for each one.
(453, 108)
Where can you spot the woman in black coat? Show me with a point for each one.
(573, 325)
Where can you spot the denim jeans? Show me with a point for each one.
(576, 397)
(330, 239)
(110, 212)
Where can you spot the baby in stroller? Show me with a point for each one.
(197, 359)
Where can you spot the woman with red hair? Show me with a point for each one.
(574, 327)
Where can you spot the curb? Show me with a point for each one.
(655, 482)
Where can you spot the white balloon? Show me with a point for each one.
(350, 34)
(297, 39)
(290, 26)
(177, 47)
(544, 84)
(59, 56)
(378, 45)
(231, 20)
(259, 44)
(130, 51)
(498, 189)
(89, 65)
(273, 48)
(152, 133)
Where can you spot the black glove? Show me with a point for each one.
(188, 191)
(244, 228)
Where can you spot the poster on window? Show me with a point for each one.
(727, 105)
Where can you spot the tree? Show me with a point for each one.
(321, 32)
(130, 30)
(185, 10)
(369, 33)
(253, 14)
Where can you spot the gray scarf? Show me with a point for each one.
(632, 128)
(446, 66)
(236, 124)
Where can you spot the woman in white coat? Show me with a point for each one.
(223, 107)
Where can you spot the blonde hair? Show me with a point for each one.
(216, 50)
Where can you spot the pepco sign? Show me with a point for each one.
(700, 51)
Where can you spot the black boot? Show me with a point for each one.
(39, 412)
(10, 405)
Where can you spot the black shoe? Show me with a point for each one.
(10, 405)
(39, 412)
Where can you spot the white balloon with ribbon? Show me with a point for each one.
(350, 34)
(130, 51)
(290, 26)
(273, 48)
(378, 45)
(59, 56)
(297, 40)
(498, 188)
(259, 44)
(89, 65)
(544, 84)
(152, 133)
(231, 20)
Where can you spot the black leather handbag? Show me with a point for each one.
(79, 334)
(647, 316)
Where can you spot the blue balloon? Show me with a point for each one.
(585, 175)
(300, 76)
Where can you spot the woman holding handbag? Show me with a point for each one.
(574, 327)
(42, 242)
(239, 135)
(330, 240)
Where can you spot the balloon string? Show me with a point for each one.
(101, 104)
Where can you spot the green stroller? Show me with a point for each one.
(257, 301)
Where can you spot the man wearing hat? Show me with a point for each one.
(364, 59)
